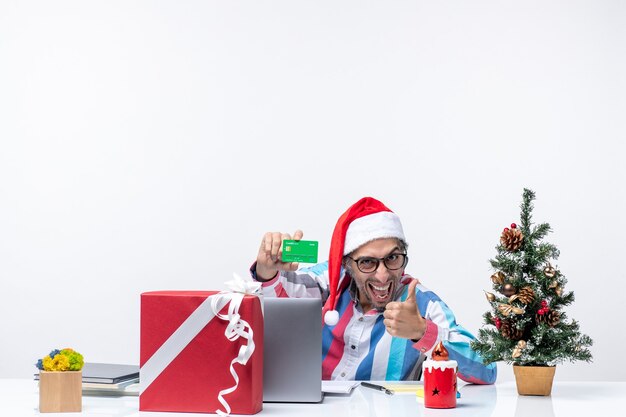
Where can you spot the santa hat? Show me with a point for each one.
(366, 220)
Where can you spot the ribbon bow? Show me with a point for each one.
(238, 284)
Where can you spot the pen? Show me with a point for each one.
(377, 387)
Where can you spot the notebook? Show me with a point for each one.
(292, 364)
(109, 373)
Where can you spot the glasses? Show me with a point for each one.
(392, 262)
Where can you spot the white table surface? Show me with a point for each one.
(19, 397)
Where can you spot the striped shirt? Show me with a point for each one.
(358, 347)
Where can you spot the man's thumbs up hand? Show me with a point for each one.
(410, 298)
(403, 319)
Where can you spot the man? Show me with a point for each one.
(380, 323)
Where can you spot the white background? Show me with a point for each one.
(149, 145)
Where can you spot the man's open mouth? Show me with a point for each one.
(380, 292)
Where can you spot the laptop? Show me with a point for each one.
(292, 352)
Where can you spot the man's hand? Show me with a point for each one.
(268, 261)
(403, 319)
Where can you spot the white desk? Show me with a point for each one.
(19, 397)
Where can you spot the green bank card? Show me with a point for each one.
(300, 251)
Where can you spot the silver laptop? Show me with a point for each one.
(292, 352)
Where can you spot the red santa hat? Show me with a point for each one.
(366, 220)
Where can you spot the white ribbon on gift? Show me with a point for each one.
(196, 321)
(237, 327)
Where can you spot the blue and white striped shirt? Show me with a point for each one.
(358, 347)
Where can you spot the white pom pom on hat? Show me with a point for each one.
(366, 220)
(331, 317)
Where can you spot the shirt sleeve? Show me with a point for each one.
(442, 326)
(310, 282)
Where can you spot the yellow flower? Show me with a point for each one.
(60, 363)
(47, 363)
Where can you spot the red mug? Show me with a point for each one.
(440, 384)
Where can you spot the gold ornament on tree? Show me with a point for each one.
(554, 285)
(506, 309)
(511, 238)
(490, 296)
(549, 271)
(498, 278)
(508, 289)
(517, 351)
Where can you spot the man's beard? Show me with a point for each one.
(377, 295)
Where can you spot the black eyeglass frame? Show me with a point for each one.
(378, 260)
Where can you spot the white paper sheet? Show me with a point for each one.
(338, 387)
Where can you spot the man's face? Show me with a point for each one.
(376, 288)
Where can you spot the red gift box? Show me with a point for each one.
(185, 356)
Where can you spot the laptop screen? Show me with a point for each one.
(292, 364)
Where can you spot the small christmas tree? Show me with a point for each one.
(527, 324)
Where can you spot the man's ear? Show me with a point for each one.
(345, 265)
